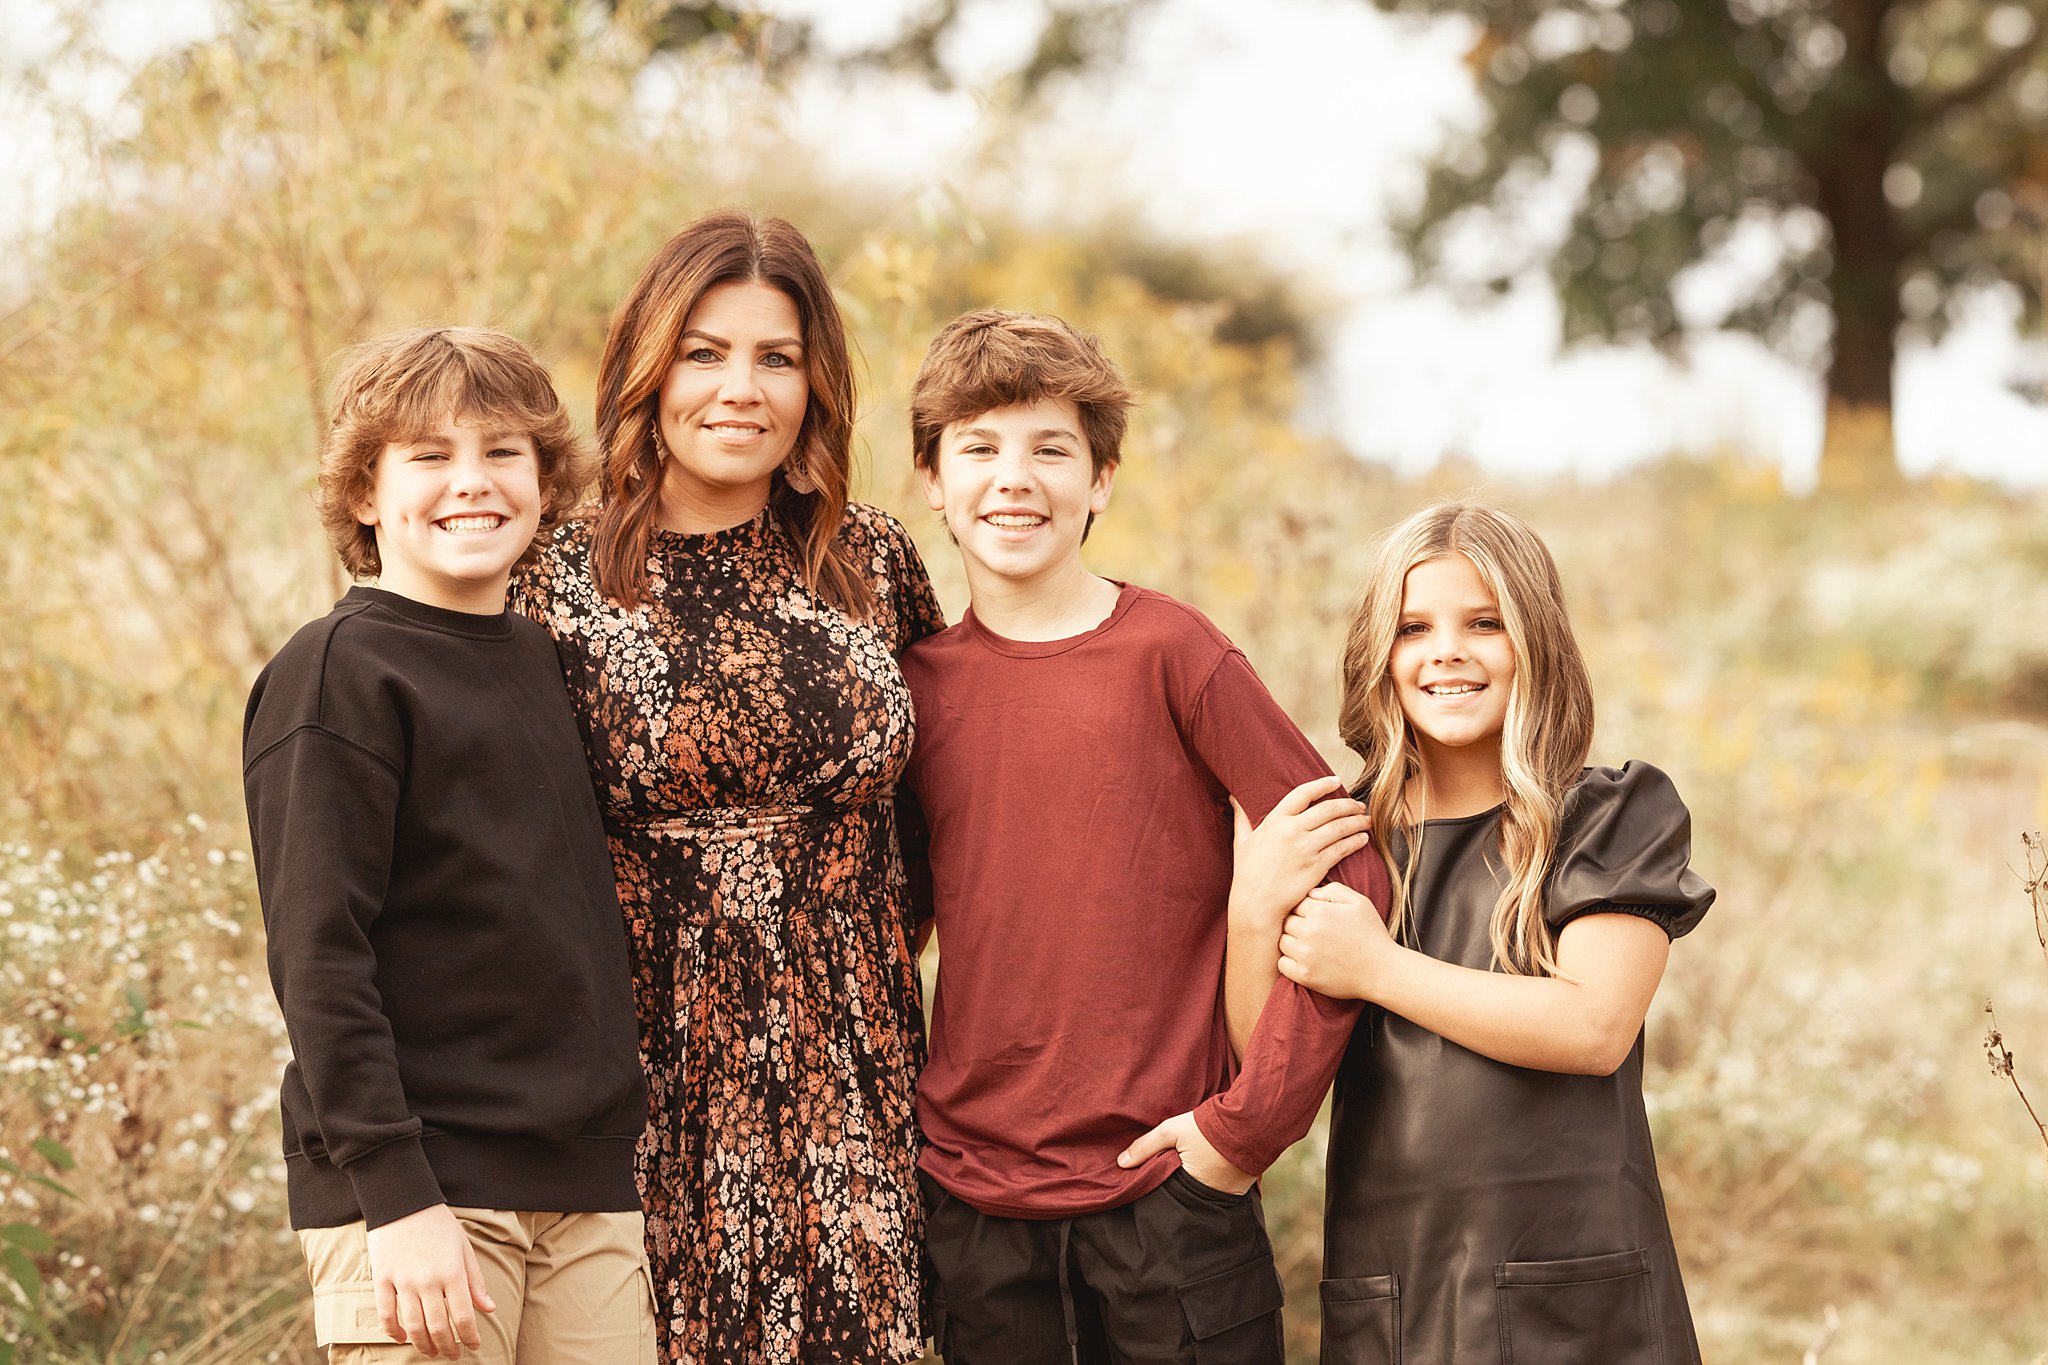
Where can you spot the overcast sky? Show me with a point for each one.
(1291, 125)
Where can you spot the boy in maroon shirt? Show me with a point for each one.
(1092, 1142)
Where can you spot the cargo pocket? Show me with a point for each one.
(344, 1295)
(1362, 1320)
(1595, 1309)
(1234, 1318)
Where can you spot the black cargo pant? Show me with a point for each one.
(1181, 1276)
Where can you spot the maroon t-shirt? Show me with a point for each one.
(1079, 855)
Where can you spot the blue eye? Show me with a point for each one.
(703, 355)
(776, 360)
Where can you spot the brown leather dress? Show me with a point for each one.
(1480, 1212)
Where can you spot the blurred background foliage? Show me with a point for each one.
(1851, 693)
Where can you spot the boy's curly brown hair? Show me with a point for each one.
(405, 387)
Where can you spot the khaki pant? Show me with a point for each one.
(571, 1288)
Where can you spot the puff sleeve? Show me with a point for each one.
(1626, 849)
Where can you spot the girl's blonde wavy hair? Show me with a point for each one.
(1549, 725)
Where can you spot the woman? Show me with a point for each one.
(729, 626)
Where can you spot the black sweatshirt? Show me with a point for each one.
(445, 939)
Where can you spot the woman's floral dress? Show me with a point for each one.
(745, 737)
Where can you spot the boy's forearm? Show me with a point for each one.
(1288, 1066)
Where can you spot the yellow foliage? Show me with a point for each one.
(1803, 669)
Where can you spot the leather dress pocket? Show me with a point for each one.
(1362, 1320)
(1592, 1310)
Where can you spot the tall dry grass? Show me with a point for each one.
(1833, 1147)
(1853, 697)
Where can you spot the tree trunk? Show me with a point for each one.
(1869, 263)
(1857, 451)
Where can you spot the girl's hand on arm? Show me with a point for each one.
(1278, 861)
(1584, 1022)
(1310, 830)
(1336, 944)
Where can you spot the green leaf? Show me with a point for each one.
(28, 1237)
(24, 1272)
(6, 1353)
(54, 1152)
(50, 1184)
(137, 1022)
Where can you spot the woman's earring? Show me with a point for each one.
(660, 446)
(797, 476)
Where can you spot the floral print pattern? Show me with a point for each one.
(745, 737)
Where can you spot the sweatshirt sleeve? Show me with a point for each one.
(1256, 752)
(322, 811)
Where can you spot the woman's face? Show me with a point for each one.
(732, 404)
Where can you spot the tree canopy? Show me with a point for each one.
(1892, 149)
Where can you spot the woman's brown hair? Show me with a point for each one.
(646, 336)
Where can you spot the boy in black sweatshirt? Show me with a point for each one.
(444, 937)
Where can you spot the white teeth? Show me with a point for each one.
(1014, 520)
(469, 525)
(1460, 690)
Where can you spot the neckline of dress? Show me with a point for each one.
(753, 531)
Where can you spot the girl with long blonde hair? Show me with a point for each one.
(1492, 1192)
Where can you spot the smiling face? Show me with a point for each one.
(1018, 485)
(1453, 665)
(452, 514)
(732, 405)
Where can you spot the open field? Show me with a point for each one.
(1834, 1145)
(1852, 695)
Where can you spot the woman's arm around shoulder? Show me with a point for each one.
(557, 553)
(906, 606)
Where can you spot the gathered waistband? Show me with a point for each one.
(725, 822)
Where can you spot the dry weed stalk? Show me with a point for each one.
(1995, 1049)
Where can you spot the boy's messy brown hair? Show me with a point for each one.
(405, 387)
(996, 357)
